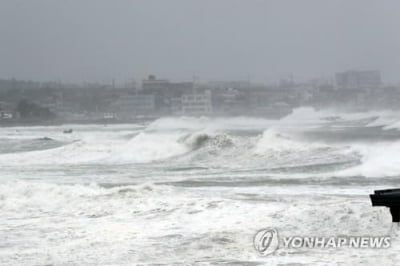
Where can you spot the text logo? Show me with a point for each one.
(266, 241)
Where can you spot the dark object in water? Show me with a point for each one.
(45, 139)
(67, 131)
(389, 198)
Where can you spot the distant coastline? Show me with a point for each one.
(60, 122)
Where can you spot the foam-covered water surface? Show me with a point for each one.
(184, 190)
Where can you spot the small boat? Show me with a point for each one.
(67, 131)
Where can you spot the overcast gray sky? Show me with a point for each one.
(96, 40)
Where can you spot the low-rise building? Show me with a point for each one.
(230, 101)
(197, 103)
(164, 91)
(129, 106)
(361, 80)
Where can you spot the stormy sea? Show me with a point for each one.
(194, 191)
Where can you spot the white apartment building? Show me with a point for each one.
(197, 103)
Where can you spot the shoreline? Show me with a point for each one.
(33, 123)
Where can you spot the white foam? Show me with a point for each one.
(81, 146)
(378, 160)
(273, 141)
(148, 224)
(210, 124)
(147, 147)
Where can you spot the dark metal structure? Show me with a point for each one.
(389, 198)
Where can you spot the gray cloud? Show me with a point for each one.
(213, 39)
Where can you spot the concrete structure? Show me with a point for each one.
(164, 91)
(165, 87)
(154, 85)
(262, 97)
(364, 80)
(131, 105)
(197, 103)
(176, 105)
(230, 101)
(238, 84)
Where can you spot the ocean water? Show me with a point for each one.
(194, 191)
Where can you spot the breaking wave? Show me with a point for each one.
(198, 140)
(232, 143)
